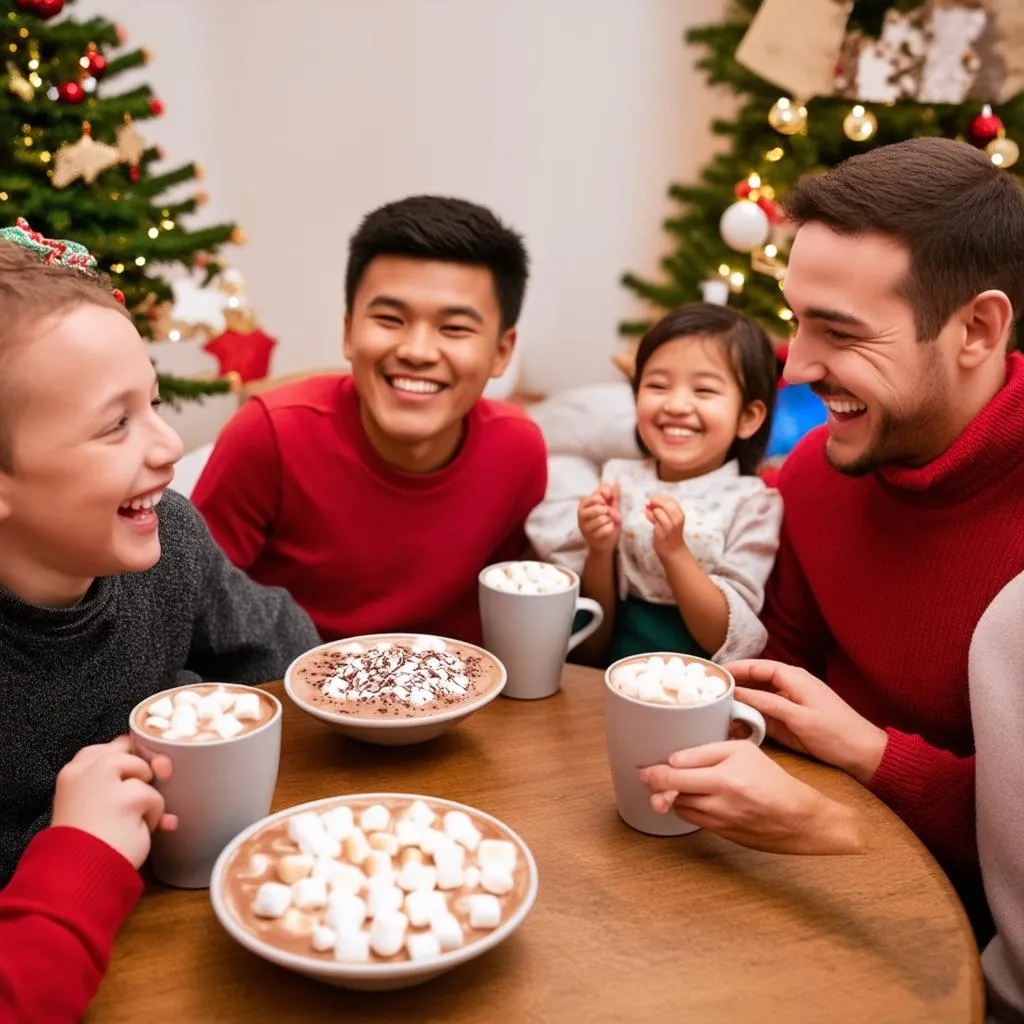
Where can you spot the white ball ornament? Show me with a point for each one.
(744, 226)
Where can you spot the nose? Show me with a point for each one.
(165, 446)
(678, 401)
(803, 363)
(418, 347)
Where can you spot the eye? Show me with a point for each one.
(706, 391)
(157, 402)
(120, 425)
(835, 335)
(456, 330)
(386, 320)
(652, 385)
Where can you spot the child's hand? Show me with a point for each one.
(104, 790)
(600, 519)
(667, 518)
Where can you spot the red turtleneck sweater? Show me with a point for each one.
(878, 585)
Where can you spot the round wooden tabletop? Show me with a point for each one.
(627, 927)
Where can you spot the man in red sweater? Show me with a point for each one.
(76, 883)
(375, 499)
(904, 515)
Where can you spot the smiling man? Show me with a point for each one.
(376, 498)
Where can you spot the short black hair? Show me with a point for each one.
(448, 230)
(749, 353)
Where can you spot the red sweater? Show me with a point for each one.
(297, 496)
(878, 585)
(59, 915)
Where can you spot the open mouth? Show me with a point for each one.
(678, 435)
(845, 410)
(415, 385)
(143, 507)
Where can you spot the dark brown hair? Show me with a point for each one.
(960, 217)
(747, 350)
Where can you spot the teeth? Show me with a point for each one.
(418, 387)
(146, 501)
(840, 406)
(678, 432)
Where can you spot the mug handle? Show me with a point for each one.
(586, 604)
(753, 718)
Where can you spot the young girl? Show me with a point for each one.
(680, 544)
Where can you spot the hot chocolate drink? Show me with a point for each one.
(379, 879)
(673, 681)
(399, 676)
(204, 713)
(528, 578)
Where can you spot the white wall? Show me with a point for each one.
(567, 117)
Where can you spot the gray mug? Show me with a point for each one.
(218, 788)
(640, 734)
(531, 634)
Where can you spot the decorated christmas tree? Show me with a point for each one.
(74, 163)
(819, 81)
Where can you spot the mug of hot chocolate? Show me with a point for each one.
(527, 610)
(656, 704)
(225, 742)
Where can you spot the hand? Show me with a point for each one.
(667, 518)
(104, 790)
(736, 791)
(600, 519)
(803, 713)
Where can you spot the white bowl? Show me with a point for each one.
(370, 976)
(395, 732)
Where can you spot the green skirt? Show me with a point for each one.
(641, 627)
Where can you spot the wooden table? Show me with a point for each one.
(626, 927)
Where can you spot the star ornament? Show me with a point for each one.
(86, 159)
(130, 144)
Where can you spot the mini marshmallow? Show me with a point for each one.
(161, 708)
(157, 723)
(484, 911)
(323, 938)
(471, 877)
(648, 688)
(338, 876)
(307, 830)
(407, 833)
(345, 912)
(296, 922)
(351, 648)
(272, 900)
(384, 842)
(294, 866)
(375, 818)
(339, 822)
(458, 826)
(352, 945)
(228, 726)
(422, 644)
(496, 878)
(496, 851)
(387, 933)
(422, 946)
(356, 848)
(207, 709)
(495, 579)
(309, 893)
(383, 898)
(420, 813)
(184, 725)
(247, 708)
(687, 693)
(184, 698)
(417, 877)
(450, 874)
(422, 907)
(378, 864)
(447, 930)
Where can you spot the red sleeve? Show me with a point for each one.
(533, 461)
(239, 489)
(59, 916)
(932, 790)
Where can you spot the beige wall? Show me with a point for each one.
(568, 117)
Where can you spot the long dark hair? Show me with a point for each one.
(749, 353)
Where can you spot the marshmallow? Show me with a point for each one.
(496, 878)
(345, 912)
(495, 579)
(339, 822)
(184, 698)
(157, 723)
(375, 818)
(422, 907)
(384, 842)
(351, 648)
(387, 933)
(323, 938)
(422, 946)
(484, 911)
(423, 644)
(450, 874)
(339, 877)
(227, 726)
(356, 848)
(383, 898)
(471, 877)
(458, 826)
(272, 900)
(208, 709)
(496, 851)
(307, 830)
(163, 707)
(259, 864)
(420, 813)
(183, 724)
(352, 945)
(687, 693)
(448, 931)
(294, 866)
(417, 877)
(247, 707)
(648, 688)
(309, 893)
(378, 865)
(408, 833)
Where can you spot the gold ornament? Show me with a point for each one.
(1003, 152)
(239, 237)
(130, 144)
(860, 124)
(789, 117)
(19, 84)
(85, 159)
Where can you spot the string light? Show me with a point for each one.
(174, 335)
(140, 261)
(785, 313)
(153, 232)
(33, 64)
(754, 181)
(775, 154)
(724, 269)
(44, 157)
(23, 32)
(167, 225)
(3, 197)
(736, 279)
(117, 268)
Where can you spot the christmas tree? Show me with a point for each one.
(820, 81)
(74, 164)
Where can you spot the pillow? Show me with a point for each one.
(594, 422)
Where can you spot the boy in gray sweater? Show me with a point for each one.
(111, 588)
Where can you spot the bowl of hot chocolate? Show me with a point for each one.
(375, 891)
(394, 688)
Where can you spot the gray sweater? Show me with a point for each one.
(996, 673)
(70, 676)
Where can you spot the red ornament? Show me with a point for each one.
(985, 127)
(248, 355)
(119, 295)
(771, 209)
(122, 34)
(96, 63)
(156, 106)
(743, 189)
(42, 8)
(134, 174)
(70, 92)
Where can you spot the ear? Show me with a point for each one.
(346, 340)
(506, 346)
(987, 319)
(751, 419)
